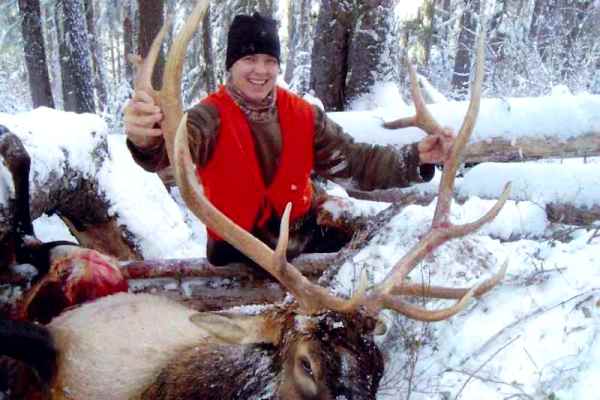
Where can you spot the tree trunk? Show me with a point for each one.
(497, 37)
(78, 93)
(265, 7)
(207, 52)
(355, 54)
(128, 47)
(97, 65)
(425, 32)
(297, 70)
(151, 20)
(465, 46)
(543, 24)
(445, 12)
(35, 53)
(533, 148)
(329, 61)
(368, 60)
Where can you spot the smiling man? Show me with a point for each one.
(257, 147)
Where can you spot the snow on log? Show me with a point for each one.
(88, 178)
(509, 129)
(569, 191)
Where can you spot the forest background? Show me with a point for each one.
(71, 54)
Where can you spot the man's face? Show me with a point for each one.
(255, 75)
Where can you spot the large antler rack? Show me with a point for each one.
(312, 298)
(385, 294)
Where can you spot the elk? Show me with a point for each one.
(315, 346)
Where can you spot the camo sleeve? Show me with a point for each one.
(339, 157)
(203, 125)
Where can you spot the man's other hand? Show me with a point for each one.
(435, 149)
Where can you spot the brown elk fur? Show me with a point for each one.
(319, 357)
(145, 347)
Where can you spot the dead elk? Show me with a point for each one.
(317, 346)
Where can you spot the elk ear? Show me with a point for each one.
(239, 329)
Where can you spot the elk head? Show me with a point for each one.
(279, 354)
(320, 345)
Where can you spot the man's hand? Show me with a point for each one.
(435, 149)
(141, 115)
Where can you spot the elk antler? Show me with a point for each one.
(422, 118)
(169, 97)
(313, 298)
(384, 295)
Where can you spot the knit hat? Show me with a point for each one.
(252, 35)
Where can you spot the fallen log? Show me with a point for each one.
(508, 129)
(311, 265)
(501, 149)
(572, 215)
(562, 213)
(61, 183)
(205, 287)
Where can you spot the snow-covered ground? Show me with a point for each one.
(533, 337)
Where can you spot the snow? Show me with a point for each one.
(560, 116)
(542, 183)
(139, 200)
(535, 336)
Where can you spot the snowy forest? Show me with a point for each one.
(71, 52)
(65, 76)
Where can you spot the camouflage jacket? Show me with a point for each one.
(336, 156)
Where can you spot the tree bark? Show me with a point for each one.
(97, 65)
(368, 60)
(297, 70)
(207, 52)
(78, 93)
(466, 42)
(216, 288)
(128, 47)
(151, 20)
(311, 265)
(35, 53)
(445, 10)
(425, 32)
(533, 148)
(329, 61)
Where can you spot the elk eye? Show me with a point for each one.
(305, 364)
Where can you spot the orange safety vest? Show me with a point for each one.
(232, 178)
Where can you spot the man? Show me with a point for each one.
(256, 145)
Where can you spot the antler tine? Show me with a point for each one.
(385, 295)
(170, 94)
(439, 292)
(452, 164)
(145, 67)
(422, 118)
(279, 257)
(442, 292)
(311, 298)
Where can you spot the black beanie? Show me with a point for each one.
(252, 35)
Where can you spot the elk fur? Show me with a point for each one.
(140, 346)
